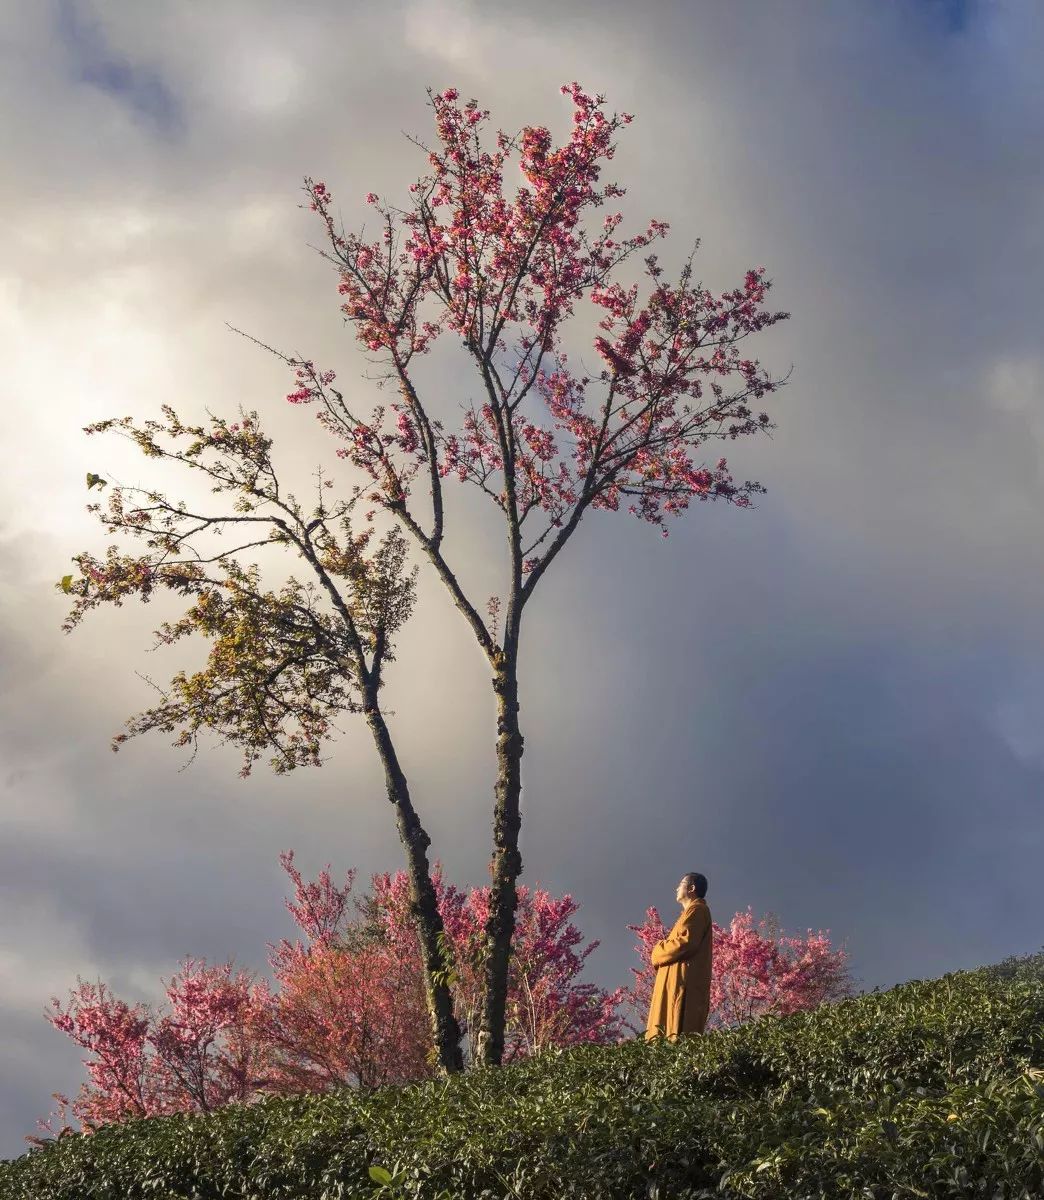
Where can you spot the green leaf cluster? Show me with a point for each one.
(934, 1088)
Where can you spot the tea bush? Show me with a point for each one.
(934, 1088)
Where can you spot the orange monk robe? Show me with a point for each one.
(681, 990)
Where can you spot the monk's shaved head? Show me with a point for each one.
(699, 883)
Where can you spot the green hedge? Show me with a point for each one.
(933, 1088)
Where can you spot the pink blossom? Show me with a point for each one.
(348, 1006)
(515, 266)
(756, 970)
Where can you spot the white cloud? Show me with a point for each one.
(1016, 385)
(444, 29)
(41, 953)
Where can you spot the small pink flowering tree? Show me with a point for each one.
(345, 1017)
(197, 1053)
(756, 970)
(343, 1012)
(545, 442)
(547, 1004)
(349, 1006)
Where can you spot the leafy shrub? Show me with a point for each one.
(934, 1088)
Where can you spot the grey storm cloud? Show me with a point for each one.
(832, 705)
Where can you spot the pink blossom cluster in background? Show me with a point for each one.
(347, 1007)
(756, 970)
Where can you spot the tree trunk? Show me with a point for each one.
(506, 866)
(428, 920)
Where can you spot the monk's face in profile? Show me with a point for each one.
(686, 891)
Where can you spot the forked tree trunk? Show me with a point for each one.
(427, 919)
(506, 865)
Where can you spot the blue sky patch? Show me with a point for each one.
(95, 64)
(956, 14)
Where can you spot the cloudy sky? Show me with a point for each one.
(832, 705)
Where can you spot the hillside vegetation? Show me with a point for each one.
(934, 1088)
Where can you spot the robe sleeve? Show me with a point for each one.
(684, 939)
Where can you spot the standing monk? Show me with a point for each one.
(681, 989)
